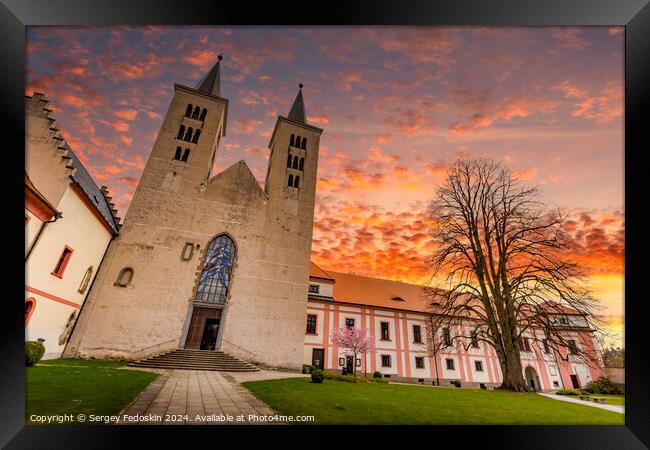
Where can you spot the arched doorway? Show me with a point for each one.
(532, 380)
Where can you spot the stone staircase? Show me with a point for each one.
(184, 359)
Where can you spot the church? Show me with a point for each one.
(215, 262)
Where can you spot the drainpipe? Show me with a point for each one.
(57, 216)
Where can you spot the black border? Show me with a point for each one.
(634, 14)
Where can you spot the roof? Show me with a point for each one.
(377, 292)
(556, 308)
(211, 82)
(94, 193)
(44, 208)
(317, 272)
(297, 112)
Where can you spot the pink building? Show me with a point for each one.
(396, 314)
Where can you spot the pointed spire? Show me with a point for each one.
(210, 83)
(297, 112)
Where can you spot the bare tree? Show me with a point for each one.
(501, 263)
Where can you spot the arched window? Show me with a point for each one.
(295, 162)
(197, 111)
(63, 338)
(296, 182)
(181, 132)
(186, 155)
(125, 277)
(217, 270)
(188, 111)
(85, 280)
(177, 155)
(304, 143)
(197, 133)
(297, 142)
(203, 113)
(290, 182)
(188, 135)
(292, 139)
(289, 159)
(301, 166)
(30, 306)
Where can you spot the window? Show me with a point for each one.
(290, 181)
(196, 113)
(349, 323)
(546, 348)
(63, 338)
(297, 142)
(304, 143)
(573, 348)
(417, 335)
(30, 305)
(63, 261)
(419, 362)
(188, 251)
(124, 278)
(217, 270)
(556, 384)
(564, 321)
(195, 139)
(311, 323)
(552, 370)
(203, 113)
(525, 344)
(385, 360)
(450, 364)
(188, 134)
(296, 181)
(181, 132)
(385, 335)
(188, 111)
(301, 166)
(289, 159)
(446, 336)
(177, 155)
(295, 162)
(85, 280)
(186, 155)
(478, 365)
(314, 288)
(292, 140)
(475, 339)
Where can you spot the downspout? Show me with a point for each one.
(57, 216)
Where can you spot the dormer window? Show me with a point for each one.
(564, 321)
(314, 289)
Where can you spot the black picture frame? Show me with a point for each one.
(633, 14)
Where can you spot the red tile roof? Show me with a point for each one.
(317, 272)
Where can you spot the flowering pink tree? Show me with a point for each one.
(353, 341)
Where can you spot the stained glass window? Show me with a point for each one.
(217, 269)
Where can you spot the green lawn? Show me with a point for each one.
(335, 402)
(82, 387)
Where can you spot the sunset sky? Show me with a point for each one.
(398, 105)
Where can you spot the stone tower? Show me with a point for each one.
(209, 262)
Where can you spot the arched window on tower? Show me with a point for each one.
(289, 159)
(186, 155)
(304, 143)
(188, 111)
(295, 162)
(197, 111)
(85, 280)
(296, 181)
(290, 182)
(65, 335)
(217, 271)
(197, 133)
(124, 278)
(178, 153)
(203, 113)
(292, 139)
(297, 142)
(188, 135)
(30, 306)
(302, 164)
(181, 132)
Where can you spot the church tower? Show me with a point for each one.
(209, 262)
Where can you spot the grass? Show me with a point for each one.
(56, 387)
(335, 402)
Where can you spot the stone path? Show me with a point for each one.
(565, 398)
(196, 397)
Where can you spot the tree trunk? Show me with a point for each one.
(513, 377)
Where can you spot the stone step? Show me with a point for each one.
(195, 360)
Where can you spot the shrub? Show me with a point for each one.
(602, 385)
(377, 374)
(456, 383)
(306, 368)
(34, 351)
(317, 376)
(569, 392)
(339, 377)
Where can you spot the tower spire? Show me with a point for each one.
(210, 83)
(297, 112)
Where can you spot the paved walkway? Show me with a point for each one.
(565, 398)
(197, 397)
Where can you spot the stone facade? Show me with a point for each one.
(177, 210)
